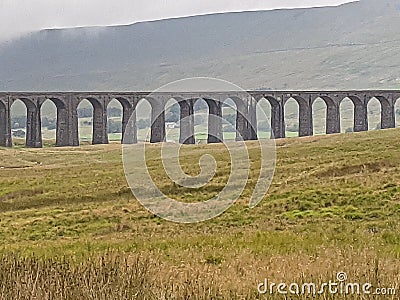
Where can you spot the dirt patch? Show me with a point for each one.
(339, 171)
(22, 193)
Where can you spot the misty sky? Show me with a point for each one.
(20, 16)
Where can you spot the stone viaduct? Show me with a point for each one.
(246, 102)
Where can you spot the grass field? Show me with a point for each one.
(71, 229)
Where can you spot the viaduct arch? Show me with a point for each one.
(246, 118)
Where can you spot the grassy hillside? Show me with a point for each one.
(333, 206)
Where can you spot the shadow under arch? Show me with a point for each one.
(118, 120)
(127, 113)
(33, 134)
(305, 116)
(278, 127)
(99, 120)
(332, 115)
(5, 126)
(387, 112)
(186, 119)
(60, 119)
(396, 108)
(214, 121)
(2, 106)
(172, 110)
(319, 115)
(140, 127)
(360, 114)
(201, 113)
(230, 119)
(374, 117)
(264, 118)
(291, 117)
(246, 117)
(346, 108)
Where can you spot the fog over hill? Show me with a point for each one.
(352, 46)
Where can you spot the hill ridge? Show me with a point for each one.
(279, 49)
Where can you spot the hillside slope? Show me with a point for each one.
(350, 46)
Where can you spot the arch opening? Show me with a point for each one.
(172, 120)
(397, 112)
(114, 120)
(85, 111)
(143, 111)
(49, 112)
(93, 121)
(292, 115)
(4, 128)
(264, 109)
(201, 113)
(346, 109)
(374, 109)
(19, 119)
(319, 115)
(229, 115)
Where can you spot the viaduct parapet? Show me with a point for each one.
(246, 116)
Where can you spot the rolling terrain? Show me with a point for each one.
(352, 46)
(333, 202)
(70, 227)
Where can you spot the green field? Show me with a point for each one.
(71, 229)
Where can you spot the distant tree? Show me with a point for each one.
(114, 127)
(48, 122)
(114, 112)
(198, 119)
(200, 105)
(143, 123)
(175, 108)
(51, 126)
(19, 133)
(171, 117)
(378, 126)
(264, 126)
(45, 122)
(18, 122)
(85, 112)
(229, 128)
(292, 128)
(173, 113)
(231, 118)
(350, 129)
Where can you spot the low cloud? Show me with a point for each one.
(22, 16)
